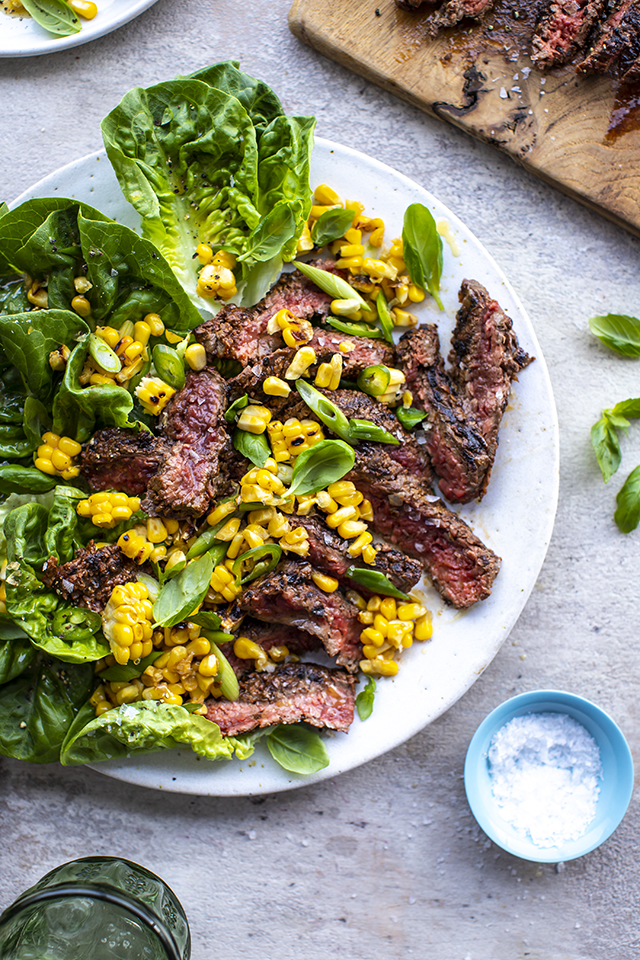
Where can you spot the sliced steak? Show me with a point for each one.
(563, 31)
(293, 692)
(269, 635)
(116, 459)
(615, 45)
(329, 552)
(193, 422)
(88, 580)
(241, 333)
(460, 566)
(453, 11)
(289, 596)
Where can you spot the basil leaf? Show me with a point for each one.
(16, 653)
(422, 249)
(297, 749)
(366, 430)
(375, 581)
(15, 479)
(364, 700)
(56, 16)
(331, 225)
(206, 619)
(325, 409)
(410, 416)
(253, 446)
(335, 286)
(225, 676)
(122, 672)
(355, 329)
(604, 440)
(627, 408)
(321, 465)
(179, 597)
(627, 515)
(267, 557)
(618, 332)
(234, 409)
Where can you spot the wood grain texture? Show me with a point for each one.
(554, 124)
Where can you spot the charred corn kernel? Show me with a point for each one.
(300, 549)
(199, 647)
(156, 530)
(295, 331)
(246, 649)
(366, 617)
(109, 335)
(216, 280)
(356, 206)
(358, 545)
(353, 236)
(381, 624)
(222, 581)
(172, 337)
(84, 8)
(135, 547)
(366, 510)
(71, 447)
(254, 419)
(306, 503)
(175, 557)
(354, 264)
(154, 394)
(370, 635)
(319, 208)
(324, 194)
(261, 516)
(374, 603)
(341, 516)
(155, 323)
(423, 628)
(404, 319)
(302, 360)
(369, 554)
(378, 269)
(377, 237)
(388, 608)
(229, 530)
(340, 489)
(158, 553)
(252, 493)
(324, 583)
(345, 308)
(416, 294)
(221, 511)
(275, 387)
(225, 259)
(379, 667)
(204, 253)
(141, 332)
(326, 502)
(397, 630)
(407, 399)
(108, 508)
(58, 357)
(352, 250)
(252, 536)
(196, 356)
(410, 611)
(305, 243)
(336, 371)
(81, 306)
(133, 351)
(269, 481)
(324, 375)
(278, 653)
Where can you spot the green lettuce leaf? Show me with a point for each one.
(16, 653)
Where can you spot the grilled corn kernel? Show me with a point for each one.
(369, 554)
(254, 419)
(58, 357)
(371, 635)
(388, 608)
(154, 394)
(423, 629)
(302, 360)
(246, 649)
(275, 387)
(229, 530)
(324, 375)
(358, 545)
(324, 583)
(196, 356)
(356, 599)
(410, 611)
(402, 318)
(341, 516)
(221, 511)
(204, 253)
(81, 306)
(156, 530)
(305, 243)
(383, 668)
(323, 194)
(127, 619)
(155, 323)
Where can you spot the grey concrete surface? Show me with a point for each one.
(386, 861)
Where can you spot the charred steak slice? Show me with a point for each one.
(563, 31)
(453, 11)
(88, 580)
(460, 566)
(289, 596)
(241, 333)
(122, 460)
(610, 39)
(329, 552)
(268, 635)
(293, 692)
(193, 422)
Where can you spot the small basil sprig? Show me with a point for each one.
(297, 749)
(355, 329)
(366, 430)
(618, 332)
(375, 581)
(324, 408)
(385, 316)
(604, 437)
(265, 559)
(335, 286)
(179, 597)
(331, 225)
(321, 465)
(627, 516)
(374, 380)
(169, 365)
(364, 700)
(253, 446)
(56, 16)
(234, 409)
(422, 249)
(410, 416)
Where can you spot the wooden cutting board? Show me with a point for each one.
(555, 125)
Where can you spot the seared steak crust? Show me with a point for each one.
(329, 552)
(289, 596)
(188, 478)
(88, 580)
(122, 460)
(617, 42)
(563, 31)
(293, 692)
(453, 11)
(268, 635)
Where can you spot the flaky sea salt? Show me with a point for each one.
(544, 770)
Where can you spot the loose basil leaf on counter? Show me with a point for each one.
(122, 672)
(386, 317)
(320, 465)
(331, 225)
(56, 16)
(364, 700)
(225, 676)
(375, 581)
(253, 446)
(366, 430)
(604, 437)
(266, 559)
(627, 515)
(324, 408)
(618, 332)
(355, 329)
(422, 249)
(297, 749)
(409, 417)
(234, 409)
(180, 597)
(335, 286)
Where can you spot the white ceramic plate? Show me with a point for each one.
(23, 37)
(515, 518)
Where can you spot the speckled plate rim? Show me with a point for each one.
(23, 37)
(515, 518)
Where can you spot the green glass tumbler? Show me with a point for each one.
(102, 908)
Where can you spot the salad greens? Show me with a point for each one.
(331, 225)
(297, 749)
(321, 465)
(364, 700)
(422, 249)
(212, 158)
(56, 16)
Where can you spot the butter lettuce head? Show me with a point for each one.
(213, 158)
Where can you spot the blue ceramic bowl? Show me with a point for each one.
(616, 784)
